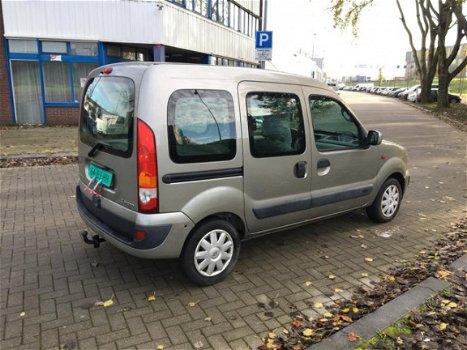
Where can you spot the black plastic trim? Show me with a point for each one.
(303, 204)
(201, 175)
(101, 219)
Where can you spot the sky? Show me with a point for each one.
(298, 25)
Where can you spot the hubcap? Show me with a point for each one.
(390, 201)
(213, 253)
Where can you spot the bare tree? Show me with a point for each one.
(447, 12)
(433, 22)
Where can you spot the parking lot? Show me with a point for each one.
(51, 280)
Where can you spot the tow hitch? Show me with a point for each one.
(95, 240)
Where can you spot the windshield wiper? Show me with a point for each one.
(98, 145)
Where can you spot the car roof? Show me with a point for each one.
(203, 71)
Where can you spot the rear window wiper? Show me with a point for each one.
(98, 145)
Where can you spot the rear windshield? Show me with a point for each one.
(107, 114)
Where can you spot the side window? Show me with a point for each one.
(333, 125)
(201, 126)
(275, 124)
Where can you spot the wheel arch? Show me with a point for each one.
(232, 218)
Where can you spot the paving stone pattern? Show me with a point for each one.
(50, 275)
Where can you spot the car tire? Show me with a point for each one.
(387, 202)
(211, 252)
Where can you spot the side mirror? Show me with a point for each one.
(374, 137)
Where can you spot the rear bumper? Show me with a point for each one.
(165, 233)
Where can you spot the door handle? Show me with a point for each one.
(323, 163)
(300, 169)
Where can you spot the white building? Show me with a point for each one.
(50, 46)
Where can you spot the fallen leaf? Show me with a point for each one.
(355, 310)
(152, 297)
(442, 326)
(198, 345)
(99, 303)
(338, 290)
(364, 274)
(318, 305)
(160, 347)
(363, 246)
(327, 314)
(443, 274)
(109, 302)
(390, 278)
(385, 234)
(272, 335)
(399, 341)
(297, 323)
(285, 331)
(344, 318)
(22, 314)
(308, 332)
(352, 337)
(193, 303)
(345, 310)
(369, 259)
(208, 319)
(332, 277)
(452, 305)
(308, 283)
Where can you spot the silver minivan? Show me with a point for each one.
(186, 161)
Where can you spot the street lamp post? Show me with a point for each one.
(313, 48)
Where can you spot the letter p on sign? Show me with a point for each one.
(264, 40)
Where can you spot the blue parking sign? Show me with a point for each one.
(264, 40)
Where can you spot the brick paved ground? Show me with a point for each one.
(48, 273)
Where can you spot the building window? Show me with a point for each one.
(83, 49)
(54, 47)
(22, 46)
(115, 51)
(57, 81)
(80, 72)
(129, 53)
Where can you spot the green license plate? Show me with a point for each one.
(99, 174)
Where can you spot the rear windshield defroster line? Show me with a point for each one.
(107, 115)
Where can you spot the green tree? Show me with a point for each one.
(434, 20)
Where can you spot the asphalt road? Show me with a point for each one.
(51, 280)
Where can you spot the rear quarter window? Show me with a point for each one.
(201, 126)
(107, 114)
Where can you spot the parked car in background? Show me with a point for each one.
(397, 92)
(434, 96)
(404, 95)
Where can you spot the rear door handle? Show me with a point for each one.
(300, 169)
(323, 163)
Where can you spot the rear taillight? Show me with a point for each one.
(147, 170)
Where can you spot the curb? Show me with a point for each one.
(389, 313)
(39, 155)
